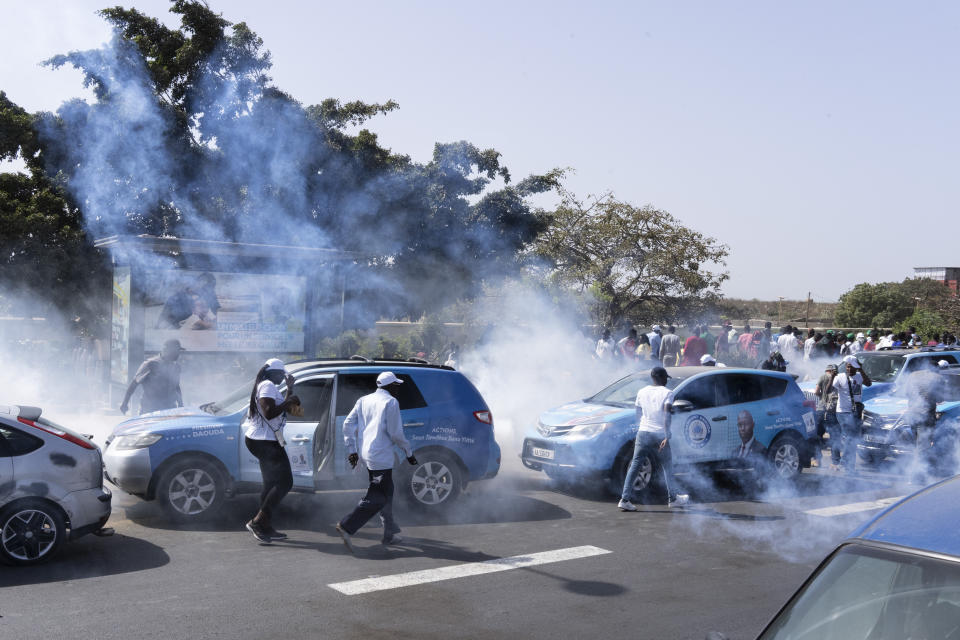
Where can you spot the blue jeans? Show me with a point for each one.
(829, 422)
(647, 441)
(850, 435)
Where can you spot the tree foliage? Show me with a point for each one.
(886, 304)
(638, 263)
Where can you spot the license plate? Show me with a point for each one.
(877, 439)
(542, 453)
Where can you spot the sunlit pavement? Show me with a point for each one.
(726, 562)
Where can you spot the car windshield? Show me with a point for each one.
(230, 403)
(623, 392)
(864, 592)
(882, 367)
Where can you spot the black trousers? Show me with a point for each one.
(378, 499)
(275, 469)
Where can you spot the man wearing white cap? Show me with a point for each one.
(857, 345)
(849, 387)
(370, 432)
(656, 337)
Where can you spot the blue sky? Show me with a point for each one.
(818, 140)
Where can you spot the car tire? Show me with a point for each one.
(31, 532)
(191, 490)
(648, 487)
(870, 458)
(784, 457)
(434, 483)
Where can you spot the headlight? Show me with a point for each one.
(588, 430)
(136, 441)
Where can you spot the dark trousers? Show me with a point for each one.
(378, 499)
(275, 469)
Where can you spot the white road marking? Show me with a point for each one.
(412, 578)
(853, 507)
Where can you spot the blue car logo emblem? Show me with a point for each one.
(697, 431)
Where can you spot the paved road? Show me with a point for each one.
(726, 562)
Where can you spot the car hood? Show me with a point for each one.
(576, 413)
(168, 419)
(892, 405)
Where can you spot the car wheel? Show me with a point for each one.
(870, 458)
(434, 483)
(784, 457)
(191, 489)
(31, 531)
(648, 483)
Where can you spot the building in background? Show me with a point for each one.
(949, 276)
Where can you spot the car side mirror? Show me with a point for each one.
(681, 406)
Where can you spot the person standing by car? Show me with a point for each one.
(653, 433)
(263, 436)
(160, 378)
(849, 386)
(656, 338)
(371, 430)
(605, 346)
(827, 414)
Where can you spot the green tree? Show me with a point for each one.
(638, 263)
(886, 304)
(927, 324)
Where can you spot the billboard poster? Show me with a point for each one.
(120, 326)
(211, 311)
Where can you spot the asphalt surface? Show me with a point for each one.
(726, 562)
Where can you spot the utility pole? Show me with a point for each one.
(779, 310)
(806, 317)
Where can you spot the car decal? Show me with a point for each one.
(696, 431)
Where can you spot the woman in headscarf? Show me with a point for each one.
(263, 435)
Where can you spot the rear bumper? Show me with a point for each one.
(493, 466)
(129, 470)
(88, 510)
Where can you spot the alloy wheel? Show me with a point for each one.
(29, 535)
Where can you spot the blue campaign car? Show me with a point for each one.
(887, 432)
(595, 436)
(897, 576)
(192, 459)
(888, 366)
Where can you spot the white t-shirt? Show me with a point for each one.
(844, 404)
(786, 344)
(257, 427)
(651, 408)
(808, 347)
(604, 347)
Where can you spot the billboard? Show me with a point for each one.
(210, 311)
(120, 326)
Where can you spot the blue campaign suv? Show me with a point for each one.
(594, 437)
(192, 459)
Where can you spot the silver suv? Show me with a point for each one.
(51, 482)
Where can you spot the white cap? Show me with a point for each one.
(852, 360)
(656, 327)
(705, 358)
(860, 335)
(943, 364)
(386, 378)
(275, 364)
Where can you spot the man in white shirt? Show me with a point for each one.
(849, 387)
(605, 346)
(653, 434)
(808, 344)
(372, 428)
(857, 345)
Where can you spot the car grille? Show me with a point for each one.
(548, 431)
(875, 421)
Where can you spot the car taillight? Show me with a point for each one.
(86, 444)
(484, 416)
(810, 404)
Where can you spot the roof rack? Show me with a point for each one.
(361, 361)
(361, 358)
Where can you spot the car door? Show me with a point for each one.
(745, 393)
(351, 386)
(699, 435)
(7, 484)
(309, 437)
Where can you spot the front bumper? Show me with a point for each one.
(128, 469)
(88, 510)
(586, 456)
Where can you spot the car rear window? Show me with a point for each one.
(14, 442)
(352, 386)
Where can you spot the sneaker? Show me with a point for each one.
(626, 505)
(814, 463)
(679, 500)
(258, 532)
(393, 539)
(346, 538)
(274, 534)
